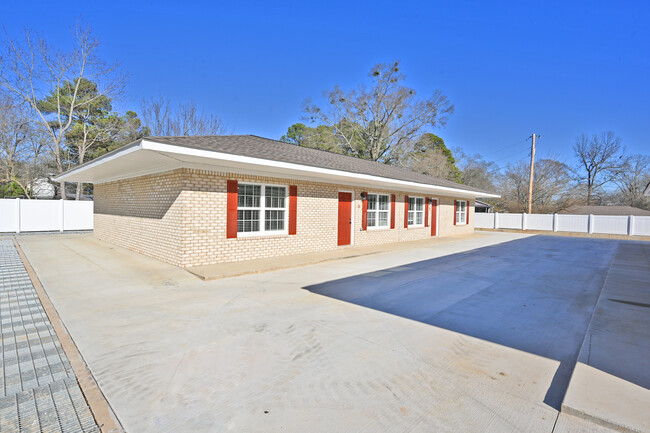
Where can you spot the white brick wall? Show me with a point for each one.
(180, 217)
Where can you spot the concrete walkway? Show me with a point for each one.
(227, 270)
(38, 390)
(258, 353)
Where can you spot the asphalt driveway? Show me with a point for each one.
(405, 341)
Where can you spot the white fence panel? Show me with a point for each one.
(573, 223)
(610, 224)
(597, 224)
(642, 225)
(77, 215)
(539, 222)
(8, 215)
(20, 215)
(484, 220)
(40, 215)
(511, 221)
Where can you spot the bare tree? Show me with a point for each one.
(632, 177)
(21, 144)
(156, 115)
(552, 186)
(32, 70)
(598, 157)
(432, 162)
(476, 171)
(14, 133)
(382, 122)
(185, 119)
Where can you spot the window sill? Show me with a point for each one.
(244, 236)
(377, 229)
(416, 227)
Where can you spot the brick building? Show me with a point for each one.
(193, 201)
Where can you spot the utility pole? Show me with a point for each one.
(532, 167)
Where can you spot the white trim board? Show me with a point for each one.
(165, 157)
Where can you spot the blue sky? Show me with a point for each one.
(558, 69)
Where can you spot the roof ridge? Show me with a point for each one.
(253, 146)
(396, 167)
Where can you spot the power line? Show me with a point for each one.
(511, 155)
(507, 147)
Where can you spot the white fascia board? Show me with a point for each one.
(97, 162)
(240, 162)
(334, 174)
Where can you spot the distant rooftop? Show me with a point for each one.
(606, 210)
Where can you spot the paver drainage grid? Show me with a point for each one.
(38, 389)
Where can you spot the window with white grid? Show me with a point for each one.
(377, 211)
(261, 209)
(461, 212)
(416, 212)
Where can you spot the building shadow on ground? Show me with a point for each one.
(535, 294)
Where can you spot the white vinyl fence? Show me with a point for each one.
(20, 215)
(605, 224)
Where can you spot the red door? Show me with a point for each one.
(434, 217)
(345, 217)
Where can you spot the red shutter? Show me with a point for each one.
(426, 211)
(406, 211)
(293, 208)
(455, 210)
(231, 217)
(364, 210)
(467, 213)
(392, 211)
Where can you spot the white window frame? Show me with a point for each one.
(376, 212)
(263, 209)
(415, 212)
(461, 212)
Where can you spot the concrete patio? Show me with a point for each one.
(261, 353)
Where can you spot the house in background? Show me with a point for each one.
(605, 210)
(202, 200)
(483, 207)
(43, 188)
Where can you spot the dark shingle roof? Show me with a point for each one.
(605, 210)
(265, 148)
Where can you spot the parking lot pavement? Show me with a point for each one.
(260, 353)
(536, 295)
(612, 377)
(38, 390)
(567, 299)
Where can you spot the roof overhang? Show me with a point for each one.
(146, 157)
